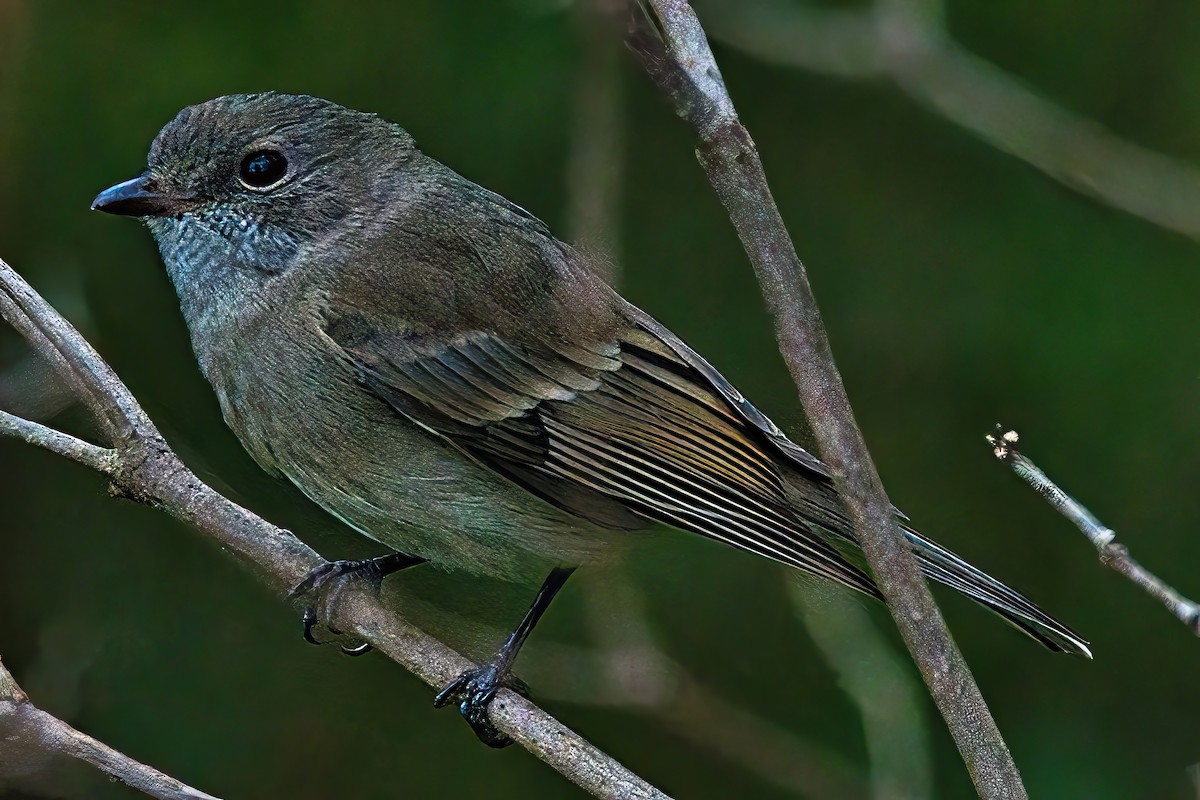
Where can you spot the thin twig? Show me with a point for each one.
(674, 51)
(147, 470)
(100, 459)
(75, 361)
(23, 726)
(913, 49)
(1113, 554)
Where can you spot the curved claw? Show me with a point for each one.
(309, 619)
(475, 689)
(453, 689)
(363, 648)
(373, 570)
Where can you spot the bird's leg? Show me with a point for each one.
(476, 687)
(373, 570)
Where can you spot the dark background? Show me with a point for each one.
(960, 286)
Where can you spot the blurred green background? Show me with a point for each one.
(961, 287)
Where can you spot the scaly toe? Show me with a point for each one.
(474, 690)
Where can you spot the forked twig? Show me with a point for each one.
(674, 50)
(141, 466)
(24, 726)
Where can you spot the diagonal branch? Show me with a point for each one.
(143, 467)
(1112, 553)
(24, 726)
(75, 361)
(675, 52)
(98, 458)
(630, 670)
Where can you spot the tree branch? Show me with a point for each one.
(1112, 553)
(24, 726)
(630, 669)
(98, 458)
(675, 52)
(909, 44)
(144, 468)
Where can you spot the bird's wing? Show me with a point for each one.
(636, 423)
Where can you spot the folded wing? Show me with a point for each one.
(638, 427)
(613, 431)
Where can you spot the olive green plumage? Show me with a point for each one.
(426, 361)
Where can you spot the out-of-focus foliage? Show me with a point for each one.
(960, 288)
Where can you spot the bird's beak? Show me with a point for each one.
(141, 197)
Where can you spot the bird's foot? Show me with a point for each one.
(474, 691)
(325, 580)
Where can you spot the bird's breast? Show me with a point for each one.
(294, 403)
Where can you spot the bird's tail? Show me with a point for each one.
(943, 566)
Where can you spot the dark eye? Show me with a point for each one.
(263, 168)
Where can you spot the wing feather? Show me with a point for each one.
(626, 422)
(639, 427)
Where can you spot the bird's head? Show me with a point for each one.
(257, 177)
(243, 188)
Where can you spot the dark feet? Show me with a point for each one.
(475, 688)
(474, 691)
(372, 570)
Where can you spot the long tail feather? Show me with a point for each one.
(943, 566)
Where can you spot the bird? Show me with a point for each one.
(428, 363)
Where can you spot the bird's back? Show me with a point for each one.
(501, 343)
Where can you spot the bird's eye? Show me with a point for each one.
(263, 168)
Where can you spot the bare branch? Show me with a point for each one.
(144, 468)
(675, 52)
(909, 44)
(98, 458)
(24, 726)
(631, 670)
(1113, 554)
(75, 361)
